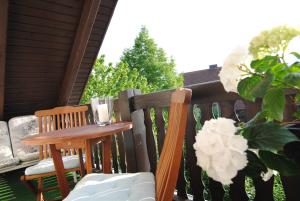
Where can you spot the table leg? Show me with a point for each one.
(60, 171)
(81, 163)
(88, 157)
(107, 155)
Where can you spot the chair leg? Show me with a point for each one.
(40, 196)
(28, 184)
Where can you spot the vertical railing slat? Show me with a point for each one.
(150, 141)
(191, 161)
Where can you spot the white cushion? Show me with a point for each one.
(47, 165)
(6, 156)
(20, 127)
(114, 187)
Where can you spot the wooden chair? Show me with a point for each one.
(55, 119)
(143, 186)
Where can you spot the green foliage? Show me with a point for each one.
(285, 166)
(268, 136)
(272, 42)
(152, 63)
(109, 80)
(144, 67)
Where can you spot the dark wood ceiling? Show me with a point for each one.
(51, 46)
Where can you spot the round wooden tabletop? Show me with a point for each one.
(83, 132)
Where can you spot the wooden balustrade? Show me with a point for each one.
(139, 149)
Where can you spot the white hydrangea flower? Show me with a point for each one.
(219, 151)
(230, 74)
(293, 46)
(267, 175)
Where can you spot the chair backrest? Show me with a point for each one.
(170, 158)
(60, 118)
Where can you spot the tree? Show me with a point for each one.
(272, 42)
(109, 81)
(151, 62)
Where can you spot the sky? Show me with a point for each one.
(196, 33)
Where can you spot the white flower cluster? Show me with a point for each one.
(230, 73)
(293, 46)
(219, 151)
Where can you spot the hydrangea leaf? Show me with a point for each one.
(285, 166)
(265, 64)
(255, 166)
(261, 88)
(296, 54)
(274, 103)
(268, 136)
(246, 86)
(293, 79)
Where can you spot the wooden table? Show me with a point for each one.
(79, 137)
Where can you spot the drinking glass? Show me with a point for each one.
(102, 108)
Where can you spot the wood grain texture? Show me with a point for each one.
(169, 163)
(88, 17)
(3, 25)
(60, 171)
(84, 132)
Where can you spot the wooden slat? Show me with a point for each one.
(120, 141)
(160, 125)
(158, 99)
(3, 25)
(114, 154)
(84, 29)
(151, 147)
(191, 161)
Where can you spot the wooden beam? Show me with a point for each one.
(3, 29)
(88, 17)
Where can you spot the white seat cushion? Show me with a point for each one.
(6, 156)
(114, 187)
(47, 165)
(20, 127)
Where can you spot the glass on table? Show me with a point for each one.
(102, 108)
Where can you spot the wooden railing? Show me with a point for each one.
(139, 149)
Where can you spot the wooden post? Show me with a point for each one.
(125, 111)
(88, 17)
(3, 30)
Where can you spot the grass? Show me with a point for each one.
(11, 189)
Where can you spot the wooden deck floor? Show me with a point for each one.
(11, 189)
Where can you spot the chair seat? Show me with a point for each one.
(114, 187)
(47, 165)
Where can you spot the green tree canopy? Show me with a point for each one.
(107, 80)
(151, 62)
(272, 42)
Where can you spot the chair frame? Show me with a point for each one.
(55, 119)
(170, 158)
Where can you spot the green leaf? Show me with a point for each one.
(296, 54)
(273, 103)
(285, 166)
(267, 136)
(246, 86)
(260, 89)
(255, 166)
(265, 64)
(297, 98)
(295, 67)
(293, 79)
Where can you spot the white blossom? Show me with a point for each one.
(219, 151)
(267, 175)
(230, 73)
(293, 46)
